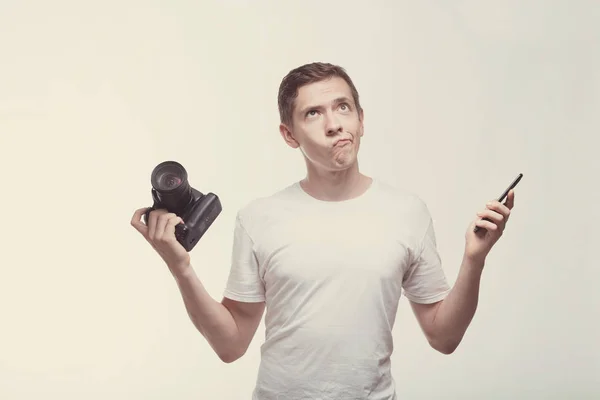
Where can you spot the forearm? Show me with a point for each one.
(212, 319)
(456, 312)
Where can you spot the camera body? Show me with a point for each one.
(171, 191)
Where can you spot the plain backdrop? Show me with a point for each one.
(459, 98)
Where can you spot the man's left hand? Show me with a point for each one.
(491, 222)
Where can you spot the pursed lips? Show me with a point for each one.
(341, 142)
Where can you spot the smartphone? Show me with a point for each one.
(504, 194)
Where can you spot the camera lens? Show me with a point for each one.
(169, 179)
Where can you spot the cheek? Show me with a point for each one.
(352, 123)
(313, 144)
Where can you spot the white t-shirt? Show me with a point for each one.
(332, 274)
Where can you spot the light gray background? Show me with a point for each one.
(459, 98)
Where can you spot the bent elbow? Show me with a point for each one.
(227, 358)
(447, 350)
(230, 356)
(446, 347)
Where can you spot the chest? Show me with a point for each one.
(354, 249)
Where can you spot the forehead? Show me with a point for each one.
(323, 92)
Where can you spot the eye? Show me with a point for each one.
(310, 113)
(344, 107)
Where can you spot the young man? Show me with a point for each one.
(329, 257)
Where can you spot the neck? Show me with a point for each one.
(335, 185)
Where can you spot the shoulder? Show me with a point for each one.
(402, 200)
(407, 209)
(261, 209)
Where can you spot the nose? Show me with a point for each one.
(333, 125)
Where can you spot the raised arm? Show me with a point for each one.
(228, 326)
(445, 322)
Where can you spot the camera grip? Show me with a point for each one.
(181, 231)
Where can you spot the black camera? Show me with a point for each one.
(172, 191)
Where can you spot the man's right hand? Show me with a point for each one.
(229, 326)
(160, 233)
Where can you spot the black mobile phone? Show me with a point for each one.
(503, 195)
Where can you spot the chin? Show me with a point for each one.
(333, 165)
(344, 164)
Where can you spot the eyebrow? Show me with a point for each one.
(342, 99)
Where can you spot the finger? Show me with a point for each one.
(484, 224)
(170, 228)
(495, 205)
(510, 199)
(161, 224)
(152, 219)
(136, 221)
(491, 215)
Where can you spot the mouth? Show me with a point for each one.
(342, 142)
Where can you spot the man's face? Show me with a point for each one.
(326, 125)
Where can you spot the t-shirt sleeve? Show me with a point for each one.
(244, 282)
(425, 281)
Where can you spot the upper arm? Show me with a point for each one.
(424, 282)
(244, 294)
(247, 317)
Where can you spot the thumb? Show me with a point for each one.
(137, 223)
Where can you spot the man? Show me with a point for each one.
(329, 257)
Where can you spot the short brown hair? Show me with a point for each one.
(306, 74)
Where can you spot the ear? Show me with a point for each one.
(361, 116)
(287, 135)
